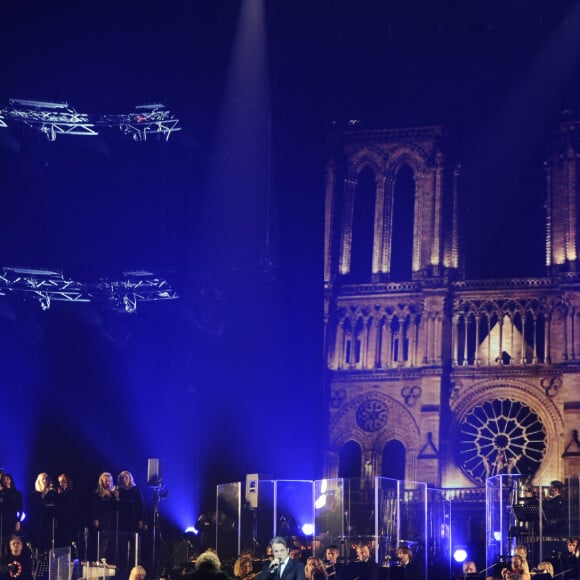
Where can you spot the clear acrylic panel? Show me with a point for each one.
(329, 517)
(501, 492)
(59, 564)
(228, 510)
(257, 524)
(295, 511)
(439, 520)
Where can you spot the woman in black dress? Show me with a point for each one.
(10, 507)
(130, 504)
(43, 513)
(104, 513)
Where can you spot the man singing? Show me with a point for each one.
(282, 567)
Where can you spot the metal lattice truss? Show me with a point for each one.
(52, 119)
(48, 286)
(147, 120)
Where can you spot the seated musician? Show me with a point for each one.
(334, 568)
(517, 569)
(409, 567)
(365, 568)
(522, 552)
(244, 568)
(571, 561)
(546, 569)
(315, 569)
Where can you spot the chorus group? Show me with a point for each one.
(54, 519)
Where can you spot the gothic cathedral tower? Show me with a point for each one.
(432, 377)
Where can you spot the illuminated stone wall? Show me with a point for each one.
(472, 377)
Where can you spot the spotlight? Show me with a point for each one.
(320, 502)
(497, 536)
(191, 530)
(460, 555)
(308, 529)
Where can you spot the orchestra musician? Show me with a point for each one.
(555, 510)
(315, 569)
(571, 562)
(517, 569)
(334, 569)
(365, 568)
(244, 568)
(522, 552)
(546, 568)
(409, 567)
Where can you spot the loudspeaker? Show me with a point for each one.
(154, 475)
(252, 480)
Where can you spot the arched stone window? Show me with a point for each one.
(349, 461)
(402, 232)
(363, 227)
(394, 459)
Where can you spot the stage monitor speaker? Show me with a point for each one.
(252, 480)
(154, 475)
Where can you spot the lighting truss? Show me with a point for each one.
(52, 119)
(137, 286)
(49, 286)
(146, 120)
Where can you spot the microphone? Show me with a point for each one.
(275, 564)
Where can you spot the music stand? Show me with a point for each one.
(527, 513)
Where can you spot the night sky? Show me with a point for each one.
(228, 380)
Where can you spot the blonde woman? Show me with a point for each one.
(137, 573)
(315, 569)
(130, 504)
(546, 568)
(42, 512)
(104, 511)
(244, 568)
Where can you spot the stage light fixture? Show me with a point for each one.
(308, 529)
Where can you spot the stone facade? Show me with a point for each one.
(469, 378)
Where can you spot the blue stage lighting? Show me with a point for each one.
(308, 529)
(192, 530)
(460, 555)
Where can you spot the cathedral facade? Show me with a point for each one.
(431, 376)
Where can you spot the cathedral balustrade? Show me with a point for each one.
(500, 331)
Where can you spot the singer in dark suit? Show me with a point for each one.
(282, 567)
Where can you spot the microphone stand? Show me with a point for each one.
(156, 498)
